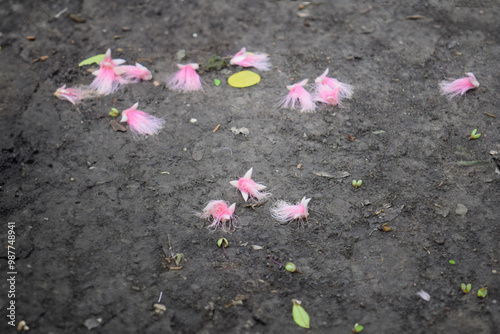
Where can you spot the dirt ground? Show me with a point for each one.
(97, 213)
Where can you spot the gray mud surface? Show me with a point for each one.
(97, 213)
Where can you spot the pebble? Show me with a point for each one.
(439, 241)
(461, 210)
(92, 323)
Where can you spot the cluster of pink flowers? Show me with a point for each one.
(110, 76)
(221, 215)
(326, 90)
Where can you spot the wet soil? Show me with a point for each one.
(99, 215)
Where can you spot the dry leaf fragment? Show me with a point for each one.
(176, 268)
(76, 18)
(415, 17)
(30, 38)
(116, 126)
(385, 228)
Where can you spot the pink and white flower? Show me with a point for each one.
(106, 80)
(141, 123)
(248, 59)
(285, 212)
(450, 89)
(298, 96)
(133, 73)
(331, 91)
(221, 215)
(186, 79)
(249, 187)
(73, 95)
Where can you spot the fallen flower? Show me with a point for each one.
(285, 212)
(186, 79)
(133, 73)
(73, 95)
(298, 96)
(106, 80)
(424, 295)
(249, 187)
(141, 123)
(248, 59)
(221, 215)
(450, 89)
(331, 91)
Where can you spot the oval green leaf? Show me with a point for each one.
(300, 315)
(243, 79)
(95, 59)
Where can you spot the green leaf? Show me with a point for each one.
(469, 286)
(114, 112)
(290, 267)
(95, 59)
(358, 328)
(359, 183)
(300, 315)
(217, 82)
(243, 79)
(222, 242)
(451, 262)
(178, 258)
(482, 292)
(473, 132)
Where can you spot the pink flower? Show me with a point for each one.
(133, 74)
(106, 80)
(141, 123)
(221, 215)
(186, 79)
(331, 91)
(249, 187)
(73, 95)
(458, 87)
(248, 59)
(285, 212)
(298, 96)
(424, 295)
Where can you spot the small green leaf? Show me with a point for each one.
(357, 328)
(469, 286)
(300, 315)
(451, 262)
(473, 132)
(359, 183)
(95, 59)
(178, 258)
(290, 267)
(217, 82)
(354, 183)
(114, 112)
(222, 242)
(482, 292)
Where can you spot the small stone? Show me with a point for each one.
(159, 308)
(452, 44)
(461, 210)
(92, 323)
(180, 55)
(439, 241)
